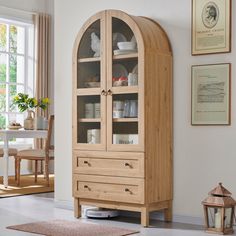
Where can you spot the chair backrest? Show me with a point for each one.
(50, 130)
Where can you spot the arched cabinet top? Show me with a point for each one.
(148, 33)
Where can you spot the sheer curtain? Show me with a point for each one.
(43, 59)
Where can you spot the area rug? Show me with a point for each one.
(71, 228)
(27, 186)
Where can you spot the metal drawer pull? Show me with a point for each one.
(87, 187)
(127, 190)
(128, 164)
(86, 162)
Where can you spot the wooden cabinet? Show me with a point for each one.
(122, 115)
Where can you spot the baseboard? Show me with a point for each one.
(68, 205)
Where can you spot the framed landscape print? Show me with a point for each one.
(211, 26)
(211, 94)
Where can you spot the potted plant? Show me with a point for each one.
(26, 103)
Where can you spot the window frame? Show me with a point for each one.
(28, 88)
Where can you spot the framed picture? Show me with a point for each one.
(211, 26)
(211, 94)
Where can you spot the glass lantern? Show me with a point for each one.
(219, 211)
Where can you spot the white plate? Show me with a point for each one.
(118, 70)
(133, 39)
(135, 70)
(117, 37)
(121, 52)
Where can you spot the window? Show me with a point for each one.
(16, 67)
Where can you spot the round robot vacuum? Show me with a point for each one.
(101, 213)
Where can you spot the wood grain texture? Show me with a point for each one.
(103, 176)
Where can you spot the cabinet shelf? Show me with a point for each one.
(89, 59)
(90, 120)
(133, 119)
(125, 89)
(88, 91)
(125, 56)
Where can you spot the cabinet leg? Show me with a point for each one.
(77, 208)
(168, 213)
(145, 217)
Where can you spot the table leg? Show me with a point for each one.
(5, 164)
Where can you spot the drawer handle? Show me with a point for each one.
(87, 187)
(86, 162)
(127, 164)
(127, 190)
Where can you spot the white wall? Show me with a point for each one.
(203, 156)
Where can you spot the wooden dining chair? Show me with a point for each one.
(45, 154)
(12, 152)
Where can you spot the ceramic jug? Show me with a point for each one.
(29, 121)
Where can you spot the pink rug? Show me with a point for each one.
(71, 228)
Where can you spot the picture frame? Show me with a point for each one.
(211, 26)
(211, 94)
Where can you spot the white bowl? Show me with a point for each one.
(126, 45)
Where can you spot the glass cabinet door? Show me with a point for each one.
(91, 102)
(123, 99)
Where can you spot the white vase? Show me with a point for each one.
(39, 122)
(29, 121)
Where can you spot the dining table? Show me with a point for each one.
(8, 134)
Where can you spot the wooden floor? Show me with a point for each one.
(37, 207)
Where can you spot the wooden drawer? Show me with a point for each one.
(109, 163)
(130, 190)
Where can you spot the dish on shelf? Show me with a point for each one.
(118, 70)
(125, 138)
(122, 52)
(14, 127)
(135, 70)
(91, 84)
(133, 39)
(126, 45)
(117, 37)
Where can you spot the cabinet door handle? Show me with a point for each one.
(109, 92)
(103, 92)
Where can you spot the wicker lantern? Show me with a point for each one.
(219, 211)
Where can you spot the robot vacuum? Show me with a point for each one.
(101, 213)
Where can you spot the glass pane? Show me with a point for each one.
(2, 97)
(89, 75)
(89, 115)
(3, 38)
(125, 119)
(3, 67)
(14, 89)
(90, 42)
(125, 73)
(2, 121)
(228, 215)
(123, 39)
(17, 71)
(17, 39)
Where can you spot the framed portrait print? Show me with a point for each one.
(211, 26)
(211, 94)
